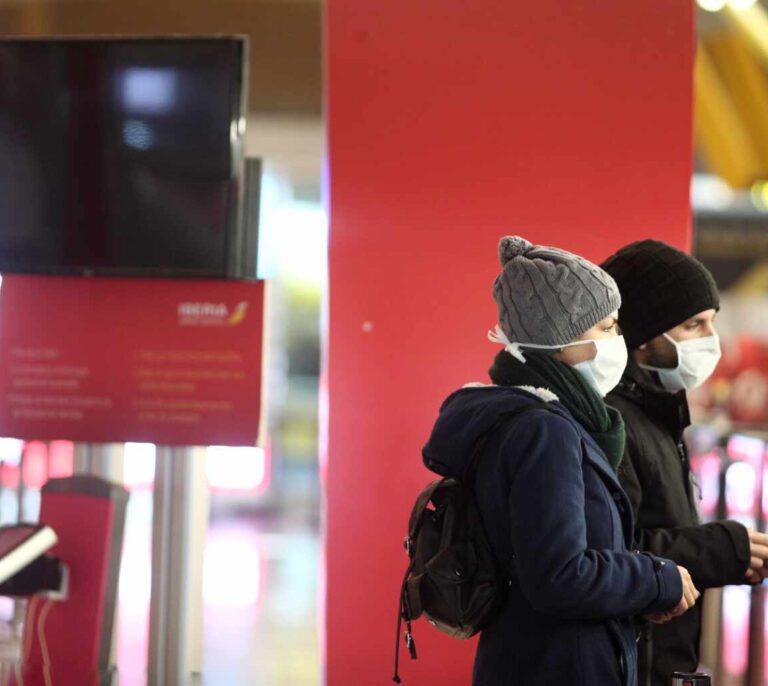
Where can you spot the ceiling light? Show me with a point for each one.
(742, 4)
(712, 5)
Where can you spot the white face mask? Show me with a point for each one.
(696, 360)
(603, 372)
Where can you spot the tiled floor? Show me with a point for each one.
(260, 600)
(261, 622)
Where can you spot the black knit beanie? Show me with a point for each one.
(661, 287)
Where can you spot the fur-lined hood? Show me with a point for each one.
(470, 412)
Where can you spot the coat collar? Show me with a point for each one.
(669, 409)
(595, 456)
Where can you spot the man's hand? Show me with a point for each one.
(758, 555)
(659, 617)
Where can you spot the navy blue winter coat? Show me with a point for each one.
(555, 513)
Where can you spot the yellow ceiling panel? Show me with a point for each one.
(722, 136)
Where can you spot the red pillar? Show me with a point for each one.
(452, 123)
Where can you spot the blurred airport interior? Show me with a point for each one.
(262, 579)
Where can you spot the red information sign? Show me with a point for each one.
(113, 360)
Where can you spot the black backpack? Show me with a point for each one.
(453, 579)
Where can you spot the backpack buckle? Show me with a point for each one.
(408, 545)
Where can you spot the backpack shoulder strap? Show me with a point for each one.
(421, 503)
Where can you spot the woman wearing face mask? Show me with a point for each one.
(546, 482)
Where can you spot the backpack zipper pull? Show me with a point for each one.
(410, 644)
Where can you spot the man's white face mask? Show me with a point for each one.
(696, 360)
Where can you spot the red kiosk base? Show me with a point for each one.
(70, 641)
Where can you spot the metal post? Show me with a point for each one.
(99, 459)
(81, 458)
(21, 490)
(199, 527)
(178, 529)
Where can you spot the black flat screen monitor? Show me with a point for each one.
(121, 156)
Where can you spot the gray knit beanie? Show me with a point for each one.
(548, 296)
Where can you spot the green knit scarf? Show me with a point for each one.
(603, 422)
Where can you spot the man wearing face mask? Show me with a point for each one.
(669, 304)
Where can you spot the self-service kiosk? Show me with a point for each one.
(68, 567)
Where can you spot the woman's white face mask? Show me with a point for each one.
(603, 372)
(696, 360)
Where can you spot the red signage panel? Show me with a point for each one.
(113, 360)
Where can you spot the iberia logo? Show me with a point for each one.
(238, 314)
(211, 314)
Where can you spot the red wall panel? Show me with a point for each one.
(450, 125)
